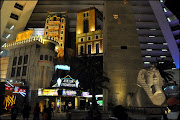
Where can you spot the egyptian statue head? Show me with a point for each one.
(151, 81)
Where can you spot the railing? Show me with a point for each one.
(31, 39)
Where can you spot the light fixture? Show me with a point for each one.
(148, 56)
(146, 62)
(12, 27)
(8, 35)
(164, 50)
(148, 49)
(150, 43)
(151, 36)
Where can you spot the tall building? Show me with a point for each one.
(156, 40)
(56, 29)
(89, 36)
(30, 60)
(154, 30)
(14, 17)
(122, 53)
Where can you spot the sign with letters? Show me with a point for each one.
(67, 81)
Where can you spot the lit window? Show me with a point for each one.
(164, 9)
(12, 27)
(150, 43)
(168, 19)
(164, 43)
(164, 50)
(162, 56)
(148, 56)
(161, 62)
(148, 49)
(8, 36)
(151, 36)
(146, 62)
(173, 68)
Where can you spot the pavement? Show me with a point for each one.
(56, 116)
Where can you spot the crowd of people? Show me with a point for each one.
(46, 114)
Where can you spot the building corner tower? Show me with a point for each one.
(122, 53)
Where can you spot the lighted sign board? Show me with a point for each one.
(67, 82)
(100, 102)
(47, 92)
(69, 93)
(15, 89)
(84, 94)
(62, 67)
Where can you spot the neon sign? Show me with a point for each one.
(47, 92)
(15, 89)
(67, 81)
(9, 101)
(69, 93)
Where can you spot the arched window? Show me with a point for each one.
(50, 58)
(14, 61)
(41, 57)
(20, 60)
(54, 18)
(46, 57)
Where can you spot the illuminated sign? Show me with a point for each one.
(67, 82)
(9, 101)
(84, 94)
(47, 92)
(62, 67)
(69, 93)
(15, 89)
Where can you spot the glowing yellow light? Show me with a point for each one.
(9, 101)
(92, 29)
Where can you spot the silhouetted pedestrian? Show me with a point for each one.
(26, 110)
(44, 114)
(14, 112)
(36, 112)
(49, 111)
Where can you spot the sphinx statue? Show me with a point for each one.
(149, 92)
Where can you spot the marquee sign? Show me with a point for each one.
(67, 81)
(47, 92)
(15, 89)
(69, 92)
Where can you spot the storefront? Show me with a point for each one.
(64, 95)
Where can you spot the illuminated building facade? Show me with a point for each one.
(14, 17)
(30, 61)
(89, 36)
(55, 29)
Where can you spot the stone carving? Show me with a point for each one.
(149, 92)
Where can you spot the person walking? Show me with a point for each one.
(49, 111)
(14, 112)
(26, 110)
(36, 112)
(44, 114)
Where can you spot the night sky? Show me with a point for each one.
(174, 7)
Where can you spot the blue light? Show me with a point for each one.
(62, 67)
